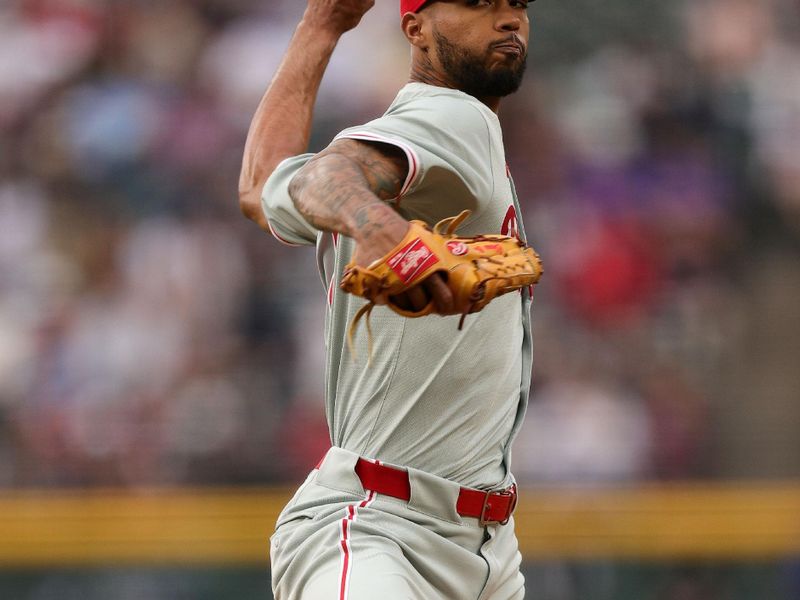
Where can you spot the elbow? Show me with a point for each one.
(250, 205)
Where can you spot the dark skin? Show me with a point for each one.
(344, 188)
(356, 178)
(497, 30)
(281, 126)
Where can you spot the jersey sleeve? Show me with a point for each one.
(447, 144)
(285, 222)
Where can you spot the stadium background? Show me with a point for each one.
(161, 359)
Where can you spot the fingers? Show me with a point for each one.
(338, 15)
(442, 296)
(418, 297)
(411, 301)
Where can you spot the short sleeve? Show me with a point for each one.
(447, 142)
(285, 222)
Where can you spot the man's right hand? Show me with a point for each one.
(337, 16)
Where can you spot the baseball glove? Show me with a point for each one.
(476, 269)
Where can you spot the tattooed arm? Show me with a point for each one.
(344, 189)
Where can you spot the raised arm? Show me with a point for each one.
(282, 123)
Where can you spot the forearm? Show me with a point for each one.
(282, 123)
(333, 193)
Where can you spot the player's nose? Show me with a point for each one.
(508, 19)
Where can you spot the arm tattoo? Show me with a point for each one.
(343, 187)
(369, 219)
(384, 172)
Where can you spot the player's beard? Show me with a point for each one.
(470, 74)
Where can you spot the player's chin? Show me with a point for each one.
(505, 80)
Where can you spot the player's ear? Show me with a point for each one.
(413, 25)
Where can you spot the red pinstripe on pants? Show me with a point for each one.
(351, 513)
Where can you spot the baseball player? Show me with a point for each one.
(415, 497)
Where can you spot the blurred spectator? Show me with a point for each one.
(583, 432)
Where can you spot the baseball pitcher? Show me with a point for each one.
(428, 277)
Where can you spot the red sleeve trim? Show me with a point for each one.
(413, 159)
(279, 238)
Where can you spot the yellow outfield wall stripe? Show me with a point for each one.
(44, 529)
(663, 522)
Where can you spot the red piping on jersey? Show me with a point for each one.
(335, 236)
(411, 155)
(279, 238)
(330, 291)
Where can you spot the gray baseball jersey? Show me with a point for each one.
(443, 404)
(434, 398)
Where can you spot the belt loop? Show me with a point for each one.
(433, 495)
(337, 472)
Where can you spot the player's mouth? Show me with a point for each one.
(512, 47)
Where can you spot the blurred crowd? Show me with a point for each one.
(149, 334)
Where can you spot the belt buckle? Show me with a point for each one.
(510, 492)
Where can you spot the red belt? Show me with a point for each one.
(488, 507)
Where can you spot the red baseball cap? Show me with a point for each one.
(410, 6)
